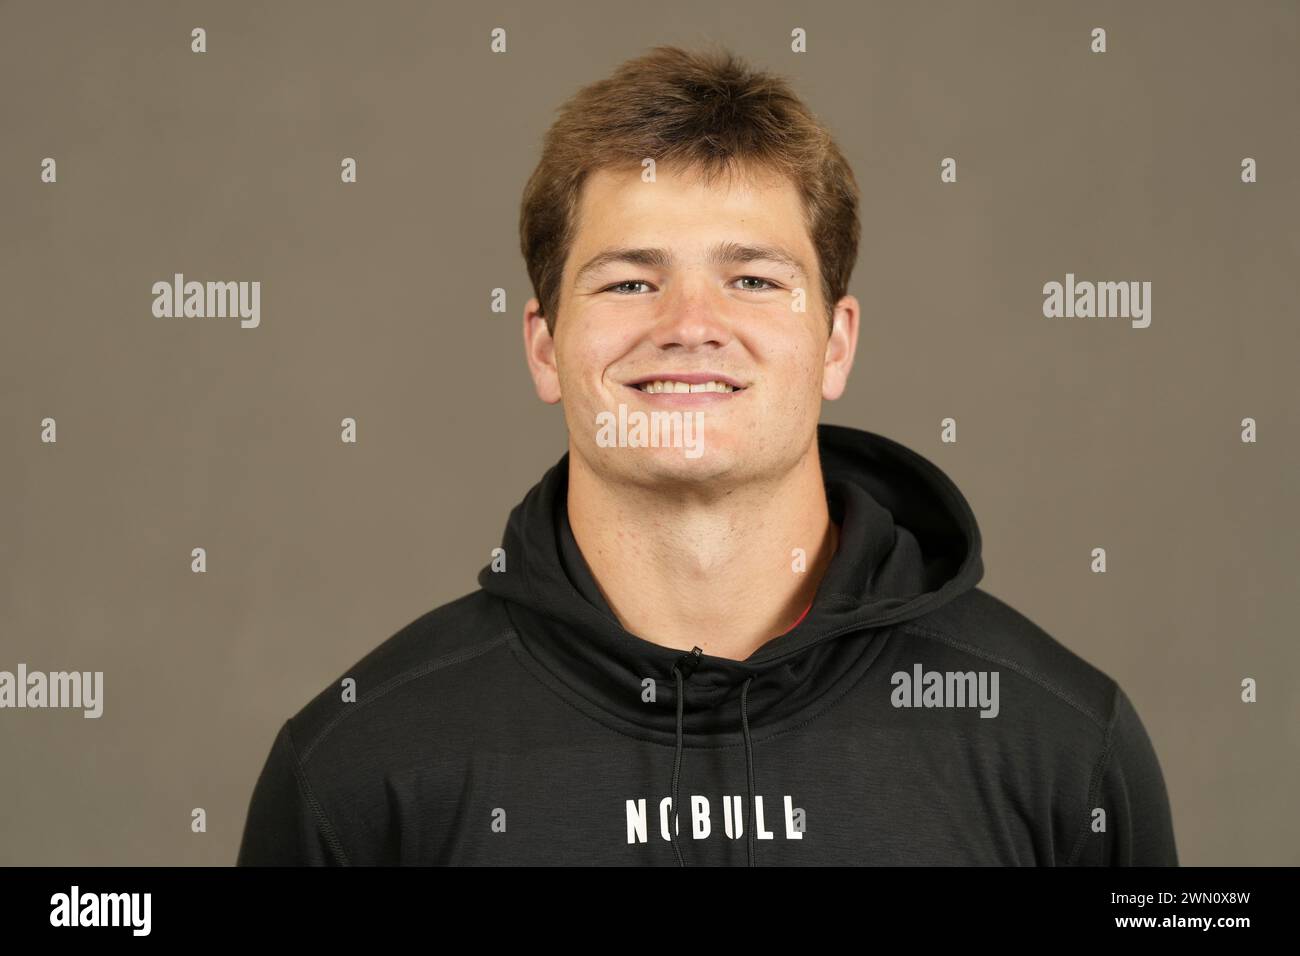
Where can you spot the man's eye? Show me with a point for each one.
(620, 285)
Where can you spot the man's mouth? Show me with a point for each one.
(685, 387)
(686, 383)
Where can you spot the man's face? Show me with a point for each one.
(715, 301)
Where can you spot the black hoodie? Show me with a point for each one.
(908, 718)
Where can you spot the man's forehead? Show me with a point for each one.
(723, 252)
(740, 182)
(762, 237)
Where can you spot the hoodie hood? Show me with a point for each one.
(908, 544)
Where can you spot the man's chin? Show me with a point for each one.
(668, 467)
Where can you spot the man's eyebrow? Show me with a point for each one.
(724, 253)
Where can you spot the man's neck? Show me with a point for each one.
(722, 573)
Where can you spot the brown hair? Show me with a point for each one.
(709, 112)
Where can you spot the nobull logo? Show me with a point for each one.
(701, 820)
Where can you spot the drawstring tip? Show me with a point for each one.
(688, 662)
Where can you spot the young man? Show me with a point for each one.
(761, 629)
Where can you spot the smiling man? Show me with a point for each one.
(773, 651)
(679, 296)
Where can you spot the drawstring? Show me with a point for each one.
(687, 663)
(752, 823)
(684, 667)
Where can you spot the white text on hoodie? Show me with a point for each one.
(701, 823)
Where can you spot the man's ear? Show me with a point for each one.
(840, 348)
(539, 349)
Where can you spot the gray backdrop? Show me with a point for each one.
(180, 433)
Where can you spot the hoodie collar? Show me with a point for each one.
(908, 544)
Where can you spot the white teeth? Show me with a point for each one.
(678, 387)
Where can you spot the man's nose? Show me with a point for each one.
(692, 315)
